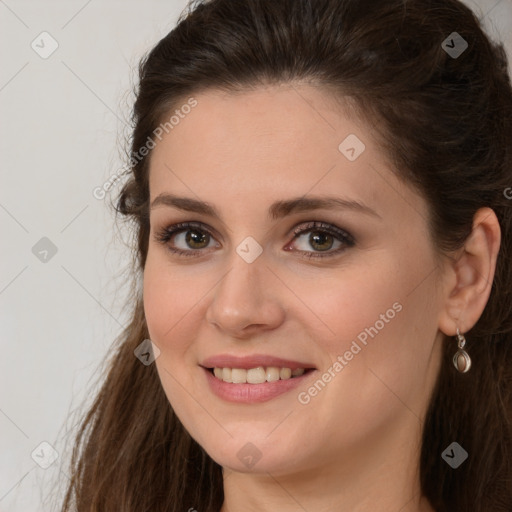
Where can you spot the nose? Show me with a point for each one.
(247, 299)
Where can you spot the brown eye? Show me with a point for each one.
(194, 238)
(191, 236)
(321, 240)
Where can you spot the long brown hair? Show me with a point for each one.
(444, 120)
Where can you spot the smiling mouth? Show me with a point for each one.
(257, 375)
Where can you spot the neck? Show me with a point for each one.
(377, 475)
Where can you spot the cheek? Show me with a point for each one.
(168, 297)
(380, 316)
(170, 303)
(354, 299)
(383, 334)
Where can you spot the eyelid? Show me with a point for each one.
(322, 226)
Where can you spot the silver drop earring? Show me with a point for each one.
(461, 359)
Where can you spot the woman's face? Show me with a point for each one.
(355, 298)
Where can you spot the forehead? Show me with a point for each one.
(262, 145)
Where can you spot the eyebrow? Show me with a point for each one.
(276, 211)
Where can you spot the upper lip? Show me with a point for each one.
(253, 361)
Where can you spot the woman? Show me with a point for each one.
(320, 192)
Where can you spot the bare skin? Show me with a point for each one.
(354, 445)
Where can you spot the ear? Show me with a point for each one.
(469, 277)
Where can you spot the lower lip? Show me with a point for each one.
(252, 393)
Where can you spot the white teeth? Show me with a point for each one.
(257, 375)
(238, 376)
(285, 373)
(272, 374)
(226, 374)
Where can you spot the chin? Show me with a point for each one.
(247, 457)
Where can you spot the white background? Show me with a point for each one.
(63, 122)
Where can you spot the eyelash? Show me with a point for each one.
(165, 234)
